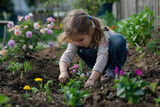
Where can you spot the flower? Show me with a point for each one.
(28, 34)
(76, 66)
(11, 29)
(56, 27)
(20, 18)
(50, 19)
(121, 72)
(50, 26)
(27, 87)
(16, 27)
(17, 32)
(36, 25)
(30, 14)
(38, 79)
(138, 72)
(50, 32)
(11, 43)
(116, 70)
(27, 17)
(51, 44)
(10, 25)
(42, 31)
(24, 47)
(74, 70)
(30, 47)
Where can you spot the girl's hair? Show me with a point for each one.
(79, 22)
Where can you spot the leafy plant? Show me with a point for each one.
(138, 28)
(27, 66)
(14, 66)
(4, 101)
(109, 19)
(157, 101)
(46, 86)
(73, 96)
(34, 90)
(130, 88)
(154, 46)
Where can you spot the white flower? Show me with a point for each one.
(50, 26)
(30, 14)
(25, 27)
(30, 47)
(42, 31)
(36, 25)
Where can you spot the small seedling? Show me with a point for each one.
(14, 66)
(46, 86)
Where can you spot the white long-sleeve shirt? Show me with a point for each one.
(102, 54)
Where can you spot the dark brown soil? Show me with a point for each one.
(44, 62)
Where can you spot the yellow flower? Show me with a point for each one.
(38, 79)
(27, 87)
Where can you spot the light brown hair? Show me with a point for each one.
(78, 22)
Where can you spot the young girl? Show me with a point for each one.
(100, 48)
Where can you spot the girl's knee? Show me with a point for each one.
(117, 40)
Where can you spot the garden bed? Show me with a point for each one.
(102, 94)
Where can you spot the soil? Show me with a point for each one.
(102, 94)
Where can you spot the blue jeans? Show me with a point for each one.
(117, 53)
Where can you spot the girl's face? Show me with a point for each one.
(82, 40)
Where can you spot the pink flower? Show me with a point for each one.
(20, 18)
(76, 66)
(138, 72)
(121, 72)
(11, 43)
(50, 32)
(10, 25)
(51, 44)
(74, 70)
(27, 17)
(17, 32)
(56, 27)
(116, 70)
(28, 34)
(50, 26)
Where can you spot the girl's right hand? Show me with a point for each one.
(63, 77)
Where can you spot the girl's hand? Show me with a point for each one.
(89, 82)
(63, 77)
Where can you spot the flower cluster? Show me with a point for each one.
(75, 69)
(26, 34)
(130, 88)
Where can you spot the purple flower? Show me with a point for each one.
(74, 70)
(11, 43)
(50, 32)
(138, 72)
(76, 66)
(116, 70)
(28, 34)
(10, 25)
(51, 44)
(50, 19)
(121, 73)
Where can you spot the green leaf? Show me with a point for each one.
(139, 92)
(120, 90)
(153, 86)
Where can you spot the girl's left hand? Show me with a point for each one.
(89, 82)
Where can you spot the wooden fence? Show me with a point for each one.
(125, 8)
